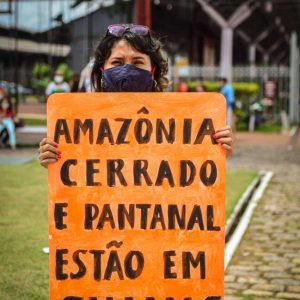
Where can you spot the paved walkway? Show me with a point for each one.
(267, 262)
(19, 156)
(29, 139)
(32, 108)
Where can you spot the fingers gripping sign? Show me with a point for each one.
(48, 152)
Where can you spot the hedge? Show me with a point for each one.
(241, 89)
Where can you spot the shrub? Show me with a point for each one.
(41, 70)
(41, 77)
(66, 71)
(241, 89)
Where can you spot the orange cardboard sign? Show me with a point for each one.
(137, 200)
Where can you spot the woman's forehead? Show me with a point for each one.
(122, 48)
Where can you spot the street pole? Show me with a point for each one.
(294, 109)
(16, 74)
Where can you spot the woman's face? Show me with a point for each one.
(123, 53)
(5, 104)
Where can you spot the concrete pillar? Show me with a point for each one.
(252, 60)
(226, 53)
(294, 109)
(208, 52)
(252, 53)
(266, 58)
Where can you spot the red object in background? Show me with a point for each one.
(8, 114)
(182, 87)
(143, 12)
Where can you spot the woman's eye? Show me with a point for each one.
(138, 62)
(116, 62)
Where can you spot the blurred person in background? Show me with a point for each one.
(74, 83)
(228, 92)
(182, 86)
(58, 85)
(200, 86)
(7, 119)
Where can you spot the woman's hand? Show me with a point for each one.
(48, 152)
(224, 137)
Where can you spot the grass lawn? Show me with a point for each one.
(23, 228)
(262, 128)
(23, 232)
(236, 184)
(35, 122)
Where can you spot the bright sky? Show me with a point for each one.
(34, 15)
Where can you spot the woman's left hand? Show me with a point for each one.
(224, 137)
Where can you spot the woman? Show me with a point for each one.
(58, 85)
(128, 59)
(7, 118)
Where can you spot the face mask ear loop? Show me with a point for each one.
(101, 80)
(153, 70)
(154, 81)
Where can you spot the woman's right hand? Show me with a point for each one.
(48, 152)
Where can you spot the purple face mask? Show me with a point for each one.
(127, 78)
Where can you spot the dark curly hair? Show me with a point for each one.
(144, 44)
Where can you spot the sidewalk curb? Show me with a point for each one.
(32, 129)
(244, 221)
(294, 137)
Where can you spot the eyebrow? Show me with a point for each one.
(116, 57)
(120, 57)
(139, 57)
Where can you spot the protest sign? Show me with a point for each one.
(137, 200)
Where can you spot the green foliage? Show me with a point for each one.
(67, 72)
(40, 84)
(212, 86)
(41, 71)
(192, 85)
(241, 89)
(41, 77)
(34, 122)
(23, 234)
(269, 128)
